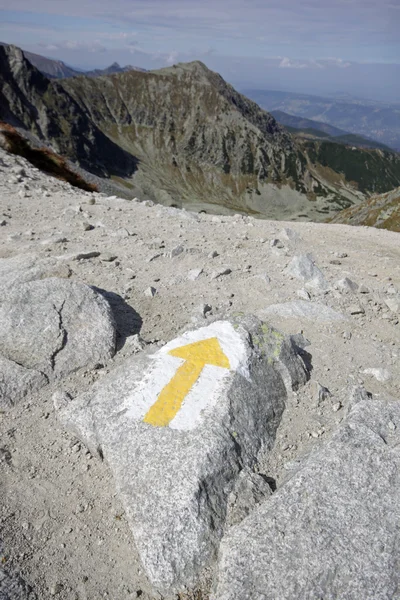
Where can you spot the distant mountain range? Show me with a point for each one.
(57, 69)
(182, 136)
(373, 120)
(309, 129)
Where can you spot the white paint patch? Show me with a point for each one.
(208, 386)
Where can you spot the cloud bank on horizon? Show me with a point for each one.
(314, 46)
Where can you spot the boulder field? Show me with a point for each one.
(193, 406)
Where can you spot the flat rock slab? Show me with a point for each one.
(28, 267)
(314, 311)
(54, 327)
(16, 382)
(332, 530)
(177, 428)
(303, 267)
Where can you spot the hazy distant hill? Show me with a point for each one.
(316, 130)
(183, 136)
(378, 121)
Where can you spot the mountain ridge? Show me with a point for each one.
(183, 136)
(58, 69)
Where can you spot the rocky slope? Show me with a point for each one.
(182, 136)
(43, 108)
(64, 532)
(382, 211)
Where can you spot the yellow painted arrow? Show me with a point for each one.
(171, 397)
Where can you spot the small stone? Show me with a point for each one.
(276, 244)
(154, 257)
(175, 251)
(156, 244)
(85, 255)
(363, 289)
(381, 375)
(322, 393)
(107, 257)
(303, 294)
(346, 285)
(393, 304)
(335, 262)
(194, 274)
(356, 309)
(87, 226)
(3, 222)
(205, 309)
(150, 292)
(341, 254)
(217, 274)
(347, 335)
(212, 254)
(56, 589)
(337, 406)
(92, 201)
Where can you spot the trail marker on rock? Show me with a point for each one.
(196, 356)
(177, 427)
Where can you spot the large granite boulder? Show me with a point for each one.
(50, 328)
(332, 530)
(177, 428)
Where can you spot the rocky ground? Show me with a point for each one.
(62, 526)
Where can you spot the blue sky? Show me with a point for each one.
(315, 46)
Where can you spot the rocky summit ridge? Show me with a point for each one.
(184, 137)
(193, 407)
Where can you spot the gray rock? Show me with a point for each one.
(303, 267)
(175, 251)
(356, 309)
(23, 268)
(177, 427)
(381, 375)
(85, 255)
(322, 394)
(150, 292)
(301, 309)
(347, 285)
(393, 303)
(363, 289)
(250, 489)
(303, 294)
(56, 327)
(330, 531)
(289, 235)
(212, 254)
(204, 309)
(87, 226)
(275, 243)
(221, 273)
(17, 381)
(194, 274)
(108, 256)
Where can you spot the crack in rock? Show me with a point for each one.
(64, 335)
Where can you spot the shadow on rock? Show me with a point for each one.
(128, 321)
